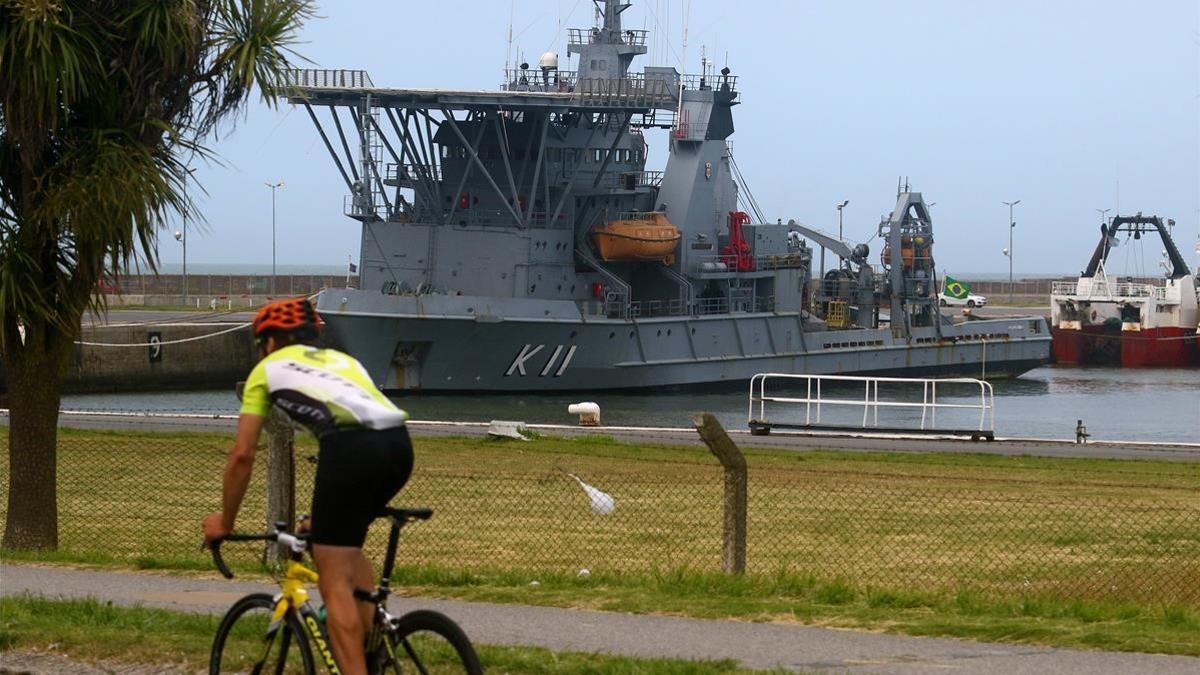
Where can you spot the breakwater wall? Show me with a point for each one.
(160, 356)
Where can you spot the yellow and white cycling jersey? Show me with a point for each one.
(323, 389)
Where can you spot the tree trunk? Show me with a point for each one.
(35, 386)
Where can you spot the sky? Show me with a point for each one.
(1066, 105)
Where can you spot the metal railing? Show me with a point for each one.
(1107, 290)
(322, 78)
(545, 81)
(410, 172)
(724, 264)
(585, 36)
(633, 180)
(814, 399)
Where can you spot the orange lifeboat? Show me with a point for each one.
(642, 237)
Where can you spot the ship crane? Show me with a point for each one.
(853, 283)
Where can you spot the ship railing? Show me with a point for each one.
(633, 180)
(396, 173)
(631, 90)
(708, 82)
(365, 206)
(1107, 290)
(904, 396)
(545, 81)
(578, 37)
(324, 78)
(727, 264)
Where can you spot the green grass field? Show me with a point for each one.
(863, 539)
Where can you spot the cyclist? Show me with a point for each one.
(365, 457)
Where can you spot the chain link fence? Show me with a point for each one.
(1126, 531)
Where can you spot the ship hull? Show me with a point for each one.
(1163, 347)
(433, 349)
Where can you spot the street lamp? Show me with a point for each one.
(1012, 224)
(839, 208)
(274, 187)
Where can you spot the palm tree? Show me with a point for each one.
(102, 104)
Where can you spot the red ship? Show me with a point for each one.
(1103, 320)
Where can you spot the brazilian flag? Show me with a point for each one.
(953, 288)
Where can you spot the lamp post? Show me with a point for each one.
(1103, 215)
(1012, 224)
(274, 187)
(839, 208)
(181, 236)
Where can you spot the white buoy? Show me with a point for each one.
(589, 413)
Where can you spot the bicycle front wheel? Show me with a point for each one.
(247, 642)
(428, 642)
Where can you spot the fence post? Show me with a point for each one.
(733, 549)
(281, 470)
(281, 473)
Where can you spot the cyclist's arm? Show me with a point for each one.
(239, 467)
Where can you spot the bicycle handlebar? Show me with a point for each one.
(294, 543)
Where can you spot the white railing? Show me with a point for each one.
(1106, 290)
(814, 399)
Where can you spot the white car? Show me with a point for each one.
(971, 301)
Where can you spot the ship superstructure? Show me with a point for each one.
(1102, 319)
(515, 240)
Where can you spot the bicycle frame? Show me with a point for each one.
(293, 596)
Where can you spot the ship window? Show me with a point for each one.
(597, 155)
(595, 64)
(637, 156)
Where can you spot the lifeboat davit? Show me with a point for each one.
(643, 237)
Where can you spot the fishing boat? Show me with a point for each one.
(1100, 319)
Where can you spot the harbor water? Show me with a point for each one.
(1154, 405)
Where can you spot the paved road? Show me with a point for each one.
(798, 648)
(680, 436)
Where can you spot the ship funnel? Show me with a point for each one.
(549, 61)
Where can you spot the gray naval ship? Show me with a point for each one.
(513, 240)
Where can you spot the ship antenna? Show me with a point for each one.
(512, 12)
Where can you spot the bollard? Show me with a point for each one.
(733, 550)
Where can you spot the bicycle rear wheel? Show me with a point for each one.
(246, 642)
(429, 642)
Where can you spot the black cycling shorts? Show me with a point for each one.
(358, 473)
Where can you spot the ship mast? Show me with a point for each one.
(612, 10)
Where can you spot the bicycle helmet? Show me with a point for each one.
(286, 316)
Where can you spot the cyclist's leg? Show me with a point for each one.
(341, 569)
(342, 511)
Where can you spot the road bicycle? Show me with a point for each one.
(277, 634)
